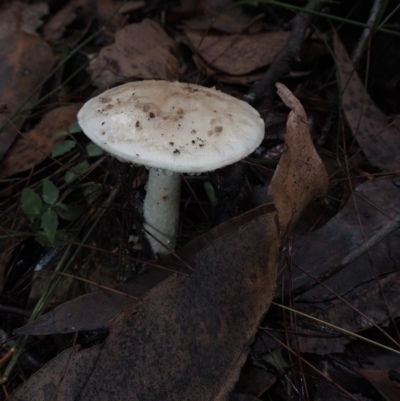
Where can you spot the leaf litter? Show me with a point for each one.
(378, 138)
(26, 60)
(347, 231)
(193, 332)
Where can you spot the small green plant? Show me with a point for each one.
(44, 212)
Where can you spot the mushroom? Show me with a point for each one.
(171, 128)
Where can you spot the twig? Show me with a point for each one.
(366, 246)
(280, 67)
(367, 31)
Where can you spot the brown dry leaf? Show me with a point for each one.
(95, 310)
(237, 54)
(26, 61)
(102, 9)
(366, 299)
(254, 380)
(379, 140)
(300, 174)
(325, 247)
(375, 203)
(383, 381)
(186, 338)
(141, 50)
(232, 20)
(189, 336)
(34, 146)
(130, 6)
(91, 311)
(55, 27)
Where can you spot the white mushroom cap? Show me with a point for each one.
(171, 125)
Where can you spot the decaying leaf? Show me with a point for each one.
(379, 140)
(190, 332)
(32, 147)
(141, 50)
(237, 54)
(384, 380)
(55, 27)
(374, 204)
(364, 301)
(214, 15)
(189, 336)
(102, 9)
(300, 175)
(26, 61)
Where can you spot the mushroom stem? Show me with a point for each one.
(161, 209)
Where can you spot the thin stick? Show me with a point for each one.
(280, 67)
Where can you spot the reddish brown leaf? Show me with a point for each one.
(237, 54)
(212, 15)
(379, 140)
(95, 310)
(187, 338)
(34, 146)
(55, 27)
(383, 382)
(300, 176)
(102, 9)
(26, 61)
(141, 50)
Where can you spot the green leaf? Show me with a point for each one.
(31, 203)
(93, 150)
(62, 238)
(72, 213)
(59, 134)
(77, 170)
(61, 205)
(74, 128)
(50, 192)
(50, 224)
(210, 191)
(62, 148)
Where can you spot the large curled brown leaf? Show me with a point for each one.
(300, 176)
(189, 336)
